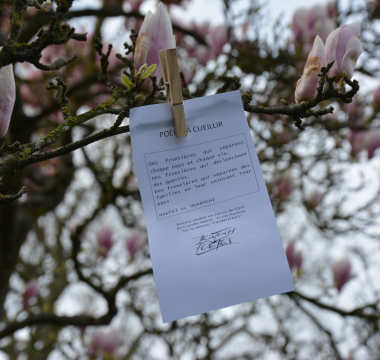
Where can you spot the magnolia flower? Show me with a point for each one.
(317, 13)
(283, 186)
(343, 46)
(307, 84)
(134, 4)
(316, 21)
(376, 98)
(105, 241)
(30, 294)
(134, 243)
(371, 142)
(324, 28)
(356, 139)
(155, 34)
(219, 38)
(7, 97)
(105, 344)
(342, 273)
(299, 25)
(295, 258)
(315, 197)
(332, 9)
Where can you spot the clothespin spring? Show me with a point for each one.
(167, 85)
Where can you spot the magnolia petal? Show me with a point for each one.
(316, 13)
(342, 273)
(7, 97)
(299, 26)
(307, 87)
(145, 24)
(171, 45)
(318, 50)
(142, 49)
(353, 50)
(372, 142)
(330, 50)
(297, 94)
(159, 32)
(324, 28)
(346, 32)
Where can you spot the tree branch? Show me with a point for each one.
(303, 110)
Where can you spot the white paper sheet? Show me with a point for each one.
(213, 238)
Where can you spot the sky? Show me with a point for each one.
(211, 10)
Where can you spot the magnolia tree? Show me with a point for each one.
(75, 273)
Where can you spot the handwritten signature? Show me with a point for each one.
(214, 241)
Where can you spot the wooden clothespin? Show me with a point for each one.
(170, 72)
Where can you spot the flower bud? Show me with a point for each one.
(372, 142)
(315, 197)
(155, 34)
(317, 13)
(343, 46)
(30, 294)
(218, 36)
(376, 98)
(356, 139)
(134, 243)
(342, 273)
(295, 258)
(7, 97)
(307, 85)
(299, 25)
(283, 186)
(105, 344)
(105, 241)
(332, 9)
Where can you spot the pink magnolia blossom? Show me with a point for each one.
(283, 186)
(155, 34)
(201, 29)
(105, 241)
(323, 28)
(342, 273)
(218, 38)
(372, 142)
(299, 24)
(307, 23)
(356, 139)
(307, 85)
(317, 13)
(134, 243)
(332, 9)
(343, 46)
(105, 344)
(134, 4)
(30, 294)
(7, 97)
(294, 257)
(376, 98)
(315, 197)
(355, 110)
